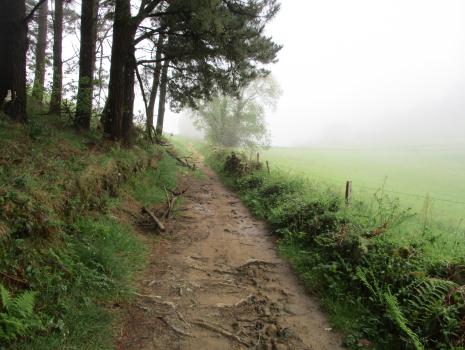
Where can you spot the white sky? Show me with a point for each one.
(369, 72)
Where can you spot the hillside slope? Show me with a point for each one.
(66, 260)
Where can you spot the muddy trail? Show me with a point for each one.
(215, 281)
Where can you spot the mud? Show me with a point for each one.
(215, 281)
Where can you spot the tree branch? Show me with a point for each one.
(34, 9)
(142, 90)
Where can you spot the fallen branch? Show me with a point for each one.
(170, 206)
(160, 225)
(15, 279)
(171, 200)
(221, 331)
(181, 162)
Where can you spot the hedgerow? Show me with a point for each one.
(382, 293)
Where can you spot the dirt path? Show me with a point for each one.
(216, 282)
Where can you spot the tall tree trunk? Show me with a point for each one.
(162, 102)
(13, 48)
(89, 9)
(128, 108)
(41, 47)
(155, 84)
(119, 107)
(57, 84)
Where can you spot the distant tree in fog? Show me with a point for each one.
(239, 121)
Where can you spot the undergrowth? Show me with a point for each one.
(382, 293)
(66, 263)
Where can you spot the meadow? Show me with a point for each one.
(427, 181)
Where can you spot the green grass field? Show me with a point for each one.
(409, 174)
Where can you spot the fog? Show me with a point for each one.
(368, 72)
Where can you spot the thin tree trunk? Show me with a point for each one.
(155, 84)
(162, 102)
(57, 84)
(41, 47)
(13, 48)
(118, 111)
(87, 56)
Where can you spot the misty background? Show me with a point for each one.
(366, 73)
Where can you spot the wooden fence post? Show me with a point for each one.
(348, 196)
(268, 167)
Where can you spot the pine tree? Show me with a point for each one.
(89, 9)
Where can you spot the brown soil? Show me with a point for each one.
(215, 281)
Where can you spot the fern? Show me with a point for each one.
(17, 316)
(399, 318)
(428, 298)
(375, 289)
(5, 298)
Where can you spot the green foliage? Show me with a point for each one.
(17, 317)
(399, 318)
(150, 187)
(399, 296)
(219, 47)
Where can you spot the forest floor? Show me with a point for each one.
(215, 281)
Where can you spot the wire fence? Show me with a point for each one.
(440, 198)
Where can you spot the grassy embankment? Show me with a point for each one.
(429, 180)
(383, 292)
(66, 260)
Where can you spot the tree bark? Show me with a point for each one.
(155, 84)
(119, 107)
(128, 107)
(87, 55)
(57, 84)
(41, 47)
(13, 48)
(162, 102)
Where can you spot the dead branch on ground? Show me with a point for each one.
(157, 221)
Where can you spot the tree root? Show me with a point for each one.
(239, 303)
(256, 262)
(223, 332)
(174, 328)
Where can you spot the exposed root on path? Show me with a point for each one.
(221, 331)
(174, 328)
